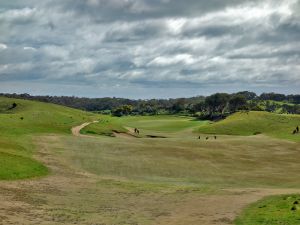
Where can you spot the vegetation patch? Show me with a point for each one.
(17, 167)
(283, 209)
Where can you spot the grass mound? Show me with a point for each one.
(105, 126)
(31, 117)
(252, 123)
(20, 121)
(272, 210)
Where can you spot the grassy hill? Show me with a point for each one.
(105, 126)
(18, 125)
(241, 123)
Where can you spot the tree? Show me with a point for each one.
(217, 103)
(291, 109)
(236, 102)
(199, 107)
(294, 99)
(247, 94)
(123, 110)
(179, 105)
(272, 96)
(270, 107)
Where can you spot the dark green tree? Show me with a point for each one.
(217, 103)
(237, 102)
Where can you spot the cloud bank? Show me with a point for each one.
(143, 48)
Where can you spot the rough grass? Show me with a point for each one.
(19, 125)
(242, 123)
(225, 162)
(272, 210)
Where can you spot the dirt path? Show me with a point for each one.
(129, 134)
(130, 130)
(76, 130)
(124, 135)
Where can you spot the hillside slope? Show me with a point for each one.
(20, 121)
(241, 123)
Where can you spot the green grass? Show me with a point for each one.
(225, 162)
(241, 123)
(17, 167)
(137, 180)
(271, 211)
(19, 125)
(162, 125)
(105, 126)
(39, 118)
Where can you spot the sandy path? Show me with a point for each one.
(129, 134)
(76, 130)
(124, 135)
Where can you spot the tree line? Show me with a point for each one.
(210, 107)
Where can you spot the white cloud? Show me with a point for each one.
(18, 14)
(29, 48)
(171, 60)
(3, 46)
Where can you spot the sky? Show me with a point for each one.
(149, 48)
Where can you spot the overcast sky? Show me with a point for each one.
(149, 48)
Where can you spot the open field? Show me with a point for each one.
(107, 180)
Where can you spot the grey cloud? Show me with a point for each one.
(102, 10)
(137, 31)
(151, 44)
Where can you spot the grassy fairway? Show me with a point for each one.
(163, 125)
(20, 124)
(272, 210)
(275, 125)
(236, 162)
(160, 181)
